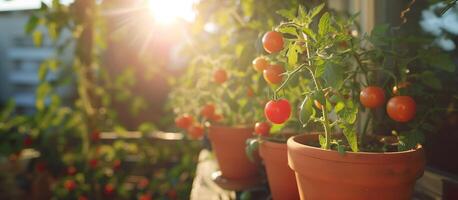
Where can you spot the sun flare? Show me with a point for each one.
(168, 11)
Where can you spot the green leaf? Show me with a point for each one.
(322, 141)
(339, 106)
(319, 70)
(302, 14)
(288, 30)
(316, 10)
(409, 140)
(333, 75)
(306, 111)
(42, 71)
(325, 24)
(37, 38)
(287, 13)
(293, 50)
(349, 113)
(247, 7)
(352, 137)
(428, 78)
(341, 149)
(251, 147)
(276, 128)
(309, 33)
(31, 24)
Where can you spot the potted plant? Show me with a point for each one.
(351, 78)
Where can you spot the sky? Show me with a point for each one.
(8, 5)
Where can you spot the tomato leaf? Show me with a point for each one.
(339, 106)
(428, 78)
(306, 111)
(293, 50)
(322, 141)
(251, 147)
(313, 12)
(352, 137)
(325, 24)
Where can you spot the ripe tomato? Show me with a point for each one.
(216, 117)
(196, 131)
(273, 74)
(372, 97)
(219, 76)
(272, 42)
(260, 64)
(249, 92)
(145, 197)
(143, 183)
(401, 108)
(28, 141)
(93, 163)
(401, 85)
(70, 185)
(262, 128)
(116, 164)
(82, 197)
(71, 170)
(277, 111)
(41, 166)
(184, 121)
(208, 111)
(95, 135)
(108, 189)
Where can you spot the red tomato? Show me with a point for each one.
(216, 117)
(249, 92)
(41, 166)
(184, 121)
(401, 108)
(70, 185)
(272, 42)
(71, 170)
(145, 197)
(278, 111)
(196, 131)
(273, 74)
(95, 135)
(116, 164)
(108, 189)
(260, 64)
(220, 76)
(93, 163)
(208, 111)
(262, 128)
(82, 198)
(372, 97)
(143, 183)
(28, 141)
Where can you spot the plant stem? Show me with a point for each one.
(325, 121)
(366, 125)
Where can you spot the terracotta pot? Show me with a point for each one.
(282, 182)
(229, 143)
(326, 174)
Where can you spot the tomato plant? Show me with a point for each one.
(342, 73)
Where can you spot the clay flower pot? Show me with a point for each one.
(282, 182)
(326, 174)
(228, 144)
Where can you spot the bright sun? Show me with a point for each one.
(168, 11)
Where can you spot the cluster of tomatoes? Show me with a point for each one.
(399, 108)
(196, 130)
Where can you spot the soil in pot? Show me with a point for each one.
(228, 144)
(326, 174)
(282, 182)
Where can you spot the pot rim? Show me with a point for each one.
(295, 147)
